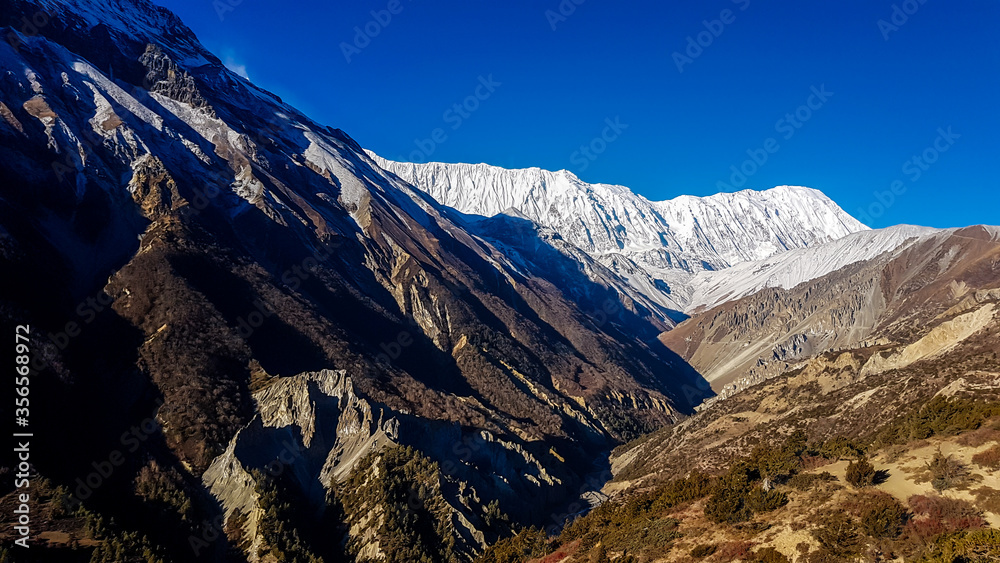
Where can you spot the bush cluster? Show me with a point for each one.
(935, 515)
(861, 473)
(946, 472)
(748, 487)
(972, 546)
(527, 544)
(939, 416)
(882, 516)
(702, 551)
(989, 459)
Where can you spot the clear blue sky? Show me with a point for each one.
(557, 87)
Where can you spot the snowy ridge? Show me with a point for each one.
(687, 233)
(135, 21)
(659, 247)
(791, 268)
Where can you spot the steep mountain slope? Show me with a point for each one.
(875, 438)
(879, 301)
(657, 245)
(773, 473)
(197, 247)
(925, 322)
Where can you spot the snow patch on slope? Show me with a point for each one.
(791, 268)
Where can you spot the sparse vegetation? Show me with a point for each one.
(415, 526)
(839, 537)
(840, 447)
(769, 555)
(806, 481)
(526, 544)
(702, 551)
(975, 546)
(935, 515)
(989, 459)
(735, 551)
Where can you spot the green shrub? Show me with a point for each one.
(679, 491)
(416, 524)
(774, 463)
(838, 537)
(882, 516)
(636, 524)
(728, 504)
(760, 500)
(281, 539)
(703, 551)
(941, 415)
(975, 546)
(841, 446)
(946, 472)
(806, 481)
(861, 473)
(769, 555)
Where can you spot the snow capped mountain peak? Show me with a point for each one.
(664, 243)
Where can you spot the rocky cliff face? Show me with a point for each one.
(206, 240)
(314, 430)
(889, 299)
(311, 427)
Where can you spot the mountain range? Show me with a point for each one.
(253, 340)
(660, 248)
